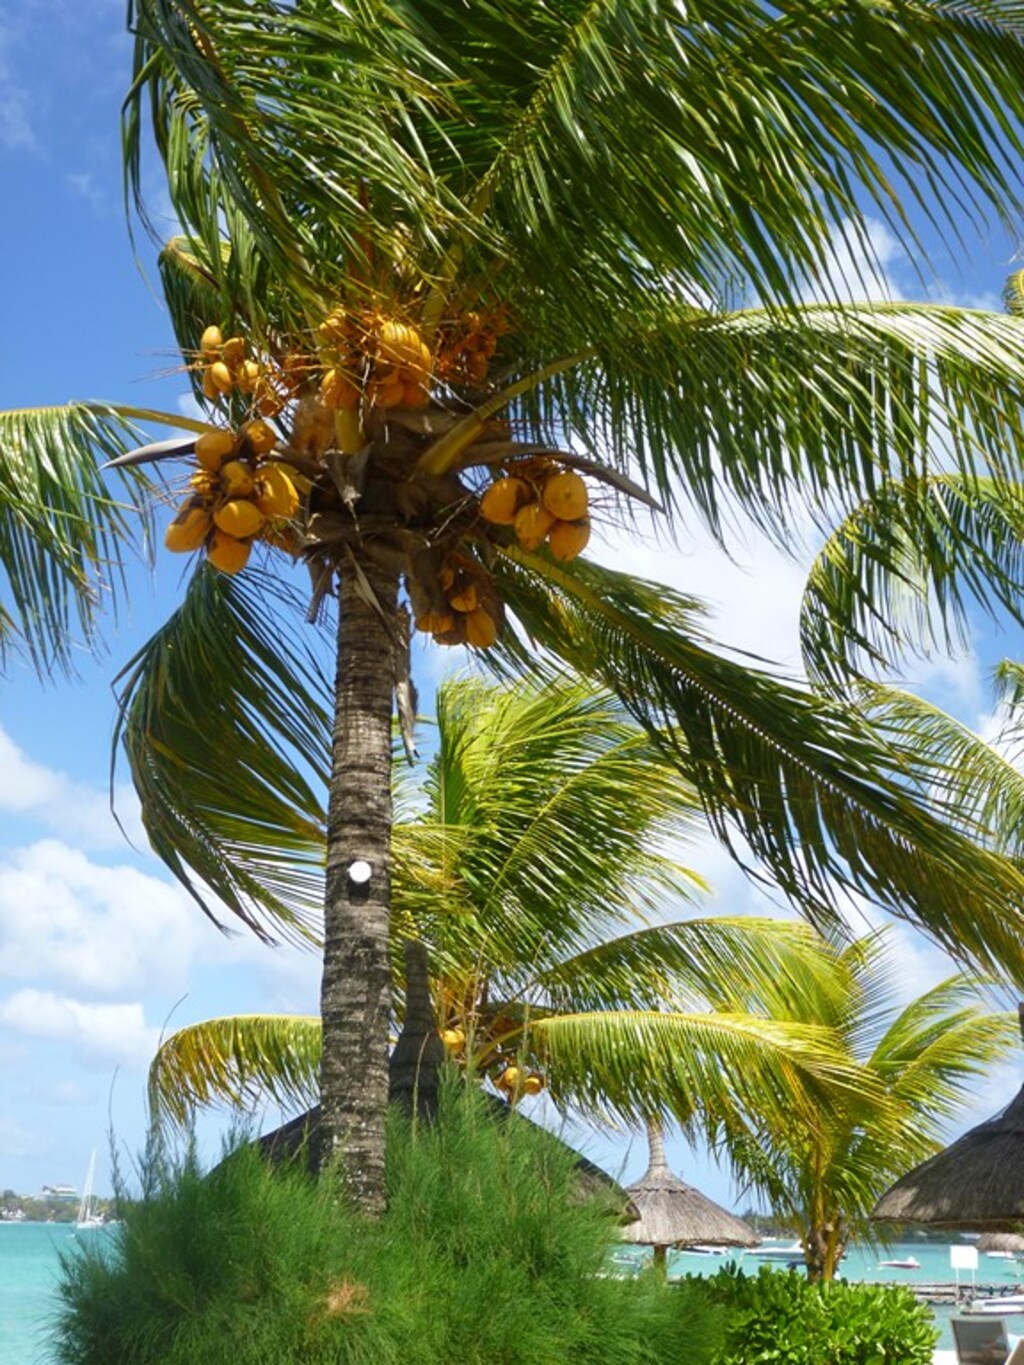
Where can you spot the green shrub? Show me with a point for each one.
(783, 1319)
(487, 1256)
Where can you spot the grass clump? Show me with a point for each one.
(487, 1255)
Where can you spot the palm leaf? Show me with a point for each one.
(63, 531)
(822, 801)
(240, 1061)
(903, 569)
(224, 723)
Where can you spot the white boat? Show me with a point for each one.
(88, 1217)
(777, 1253)
(698, 1250)
(905, 1263)
(1002, 1303)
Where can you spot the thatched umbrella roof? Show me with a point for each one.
(672, 1213)
(976, 1183)
(1001, 1241)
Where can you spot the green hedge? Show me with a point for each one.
(487, 1256)
(779, 1318)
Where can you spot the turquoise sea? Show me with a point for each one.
(29, 1267)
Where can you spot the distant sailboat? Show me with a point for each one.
(88, 1217)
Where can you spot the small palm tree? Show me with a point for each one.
(424, 245)
(824, 1176)
(529, 860)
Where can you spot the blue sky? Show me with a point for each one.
(97, 943)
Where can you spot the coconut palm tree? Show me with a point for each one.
(425, 244)
(530, 858)
(926, 1056)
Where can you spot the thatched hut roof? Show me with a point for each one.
(976, 1183)
(1001, 1241)
(672, 1213)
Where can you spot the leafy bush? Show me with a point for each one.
(785, 1320)
(487, 1255)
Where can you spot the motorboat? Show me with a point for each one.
(902, 1263)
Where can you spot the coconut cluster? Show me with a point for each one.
(542, 501)
(472, 612)
(238, 496)
(380, 358)
(467, 347)
(228, 368)
(515, 1080)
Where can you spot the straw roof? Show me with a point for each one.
(672, 1213)
(1001, 1241)
(976, 1183)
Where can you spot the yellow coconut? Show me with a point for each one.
(502, 501)
(226, 553)
(213, 448)
(338, 391)
(389, 394)
(261, 436)
(189, 528)
(532, 523)
(435, 622)
(565, 496)
(510, 1078)
(465, 597)
(239, 517)
(567, 539)
(221, 377)
(400, 344)
(233, 351)
(210, 342)
(236, 479)
(481, 628)
(453, 1038)
(247, 376)
(210, 389)
(533, 1084)
(276, 495)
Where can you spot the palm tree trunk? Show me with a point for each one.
(419, 1053)
(355, 998)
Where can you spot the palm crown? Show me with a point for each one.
(542, 221)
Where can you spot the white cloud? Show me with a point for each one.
(859, 266)
(101, 1035)
(16, 1141)
(78, 811)
(103, 930)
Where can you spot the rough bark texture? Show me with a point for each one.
(419, 1053)
(355, 999)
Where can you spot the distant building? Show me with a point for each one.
(65, 1192)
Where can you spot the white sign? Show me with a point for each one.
(963, 1258)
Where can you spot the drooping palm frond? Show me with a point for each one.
(822, 800)
(900, 573)
(64, 530)
(226, 729)
(240, 1061)
(707, 1065)
(728, 964)
(811, 406)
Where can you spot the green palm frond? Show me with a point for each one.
(497, 131)
(614, 1064)
(902, 570)
(225, 725)
(821, 799)
(819, 404)
(728, 964)
(64, 530)
(545, 809)
(240, 1061)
